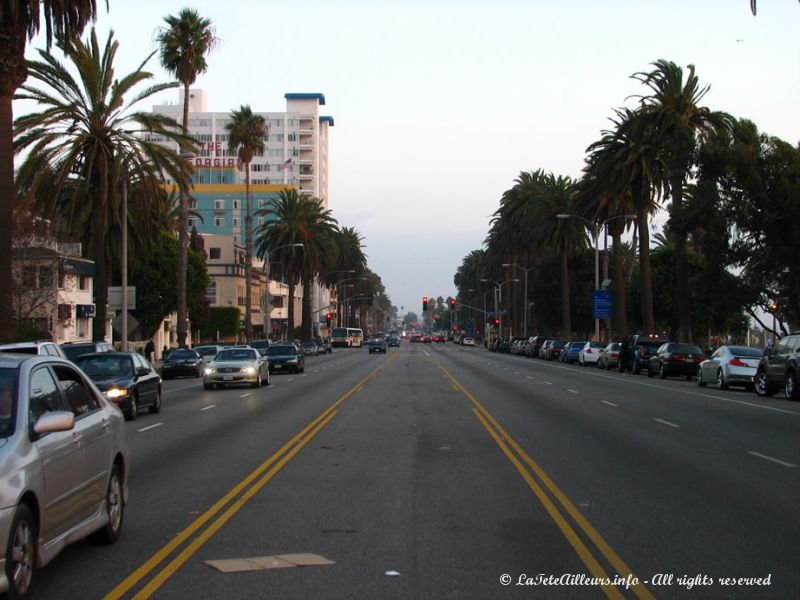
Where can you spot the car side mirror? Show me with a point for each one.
(142, 371)
(767, 351)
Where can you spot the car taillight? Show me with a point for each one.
(671, 357)
(641, 350)
(735, 362)
(588, 351)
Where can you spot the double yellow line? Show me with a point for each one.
(234, 500)
(527, 468)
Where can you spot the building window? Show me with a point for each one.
(83, 284)
(215, 253)
(237, 222)
(193, 203)
(292, 137)
(82, 327)
(211, 292)
(219, 204)
(191, 222)
(29, 277)
(45, 278)
(236, 205)
(237, 239)
(219, 221)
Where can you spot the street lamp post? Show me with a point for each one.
(498, 293)
(525, 270)
(267, 303)
(595, 229)
(347, 301)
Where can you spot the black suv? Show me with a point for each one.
(641, 348)
(780, 368)
(75, 349)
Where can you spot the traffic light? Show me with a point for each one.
(453, 303)
(773, 307)
(424, 304)
(497, 322)
(328, 319)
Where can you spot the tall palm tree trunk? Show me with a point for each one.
(308, 283)
(290, 311)
(645, 273)
(100, 283)
(681, 264)
(566, 315)
(620, 323)
(183, 235)
(248, 258)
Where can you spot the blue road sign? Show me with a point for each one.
(601, 304)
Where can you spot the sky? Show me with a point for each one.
(439, 104)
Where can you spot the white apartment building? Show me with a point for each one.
(296, 155)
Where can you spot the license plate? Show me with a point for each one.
(278, 366)
(227, 378)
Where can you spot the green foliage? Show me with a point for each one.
(224, 320)
(156, 281)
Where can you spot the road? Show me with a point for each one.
(441, 471)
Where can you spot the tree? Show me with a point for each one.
(86, 142)
(679, 121)
(19, 23)
(247, 132)
(184, 44)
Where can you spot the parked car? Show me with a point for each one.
(208, 351)
(55, 489)
(730, 365)
(285, 357)
(40, 347)
(553, 351)
(124, 378)
(73, 350)
(609, 356)
(324, 345)
(377, 344)
(535, 343)
(237, 365)
(310, 348)
(642, 347)
(467, 341)
(675, 358)
(183, 361)
(589, 354)
(780, 368)
(571, 351)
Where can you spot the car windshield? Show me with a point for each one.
(101, 367)
(684, 349)
(74, 352)
(206, 350)
(182, 354)
(746, 352)
(281, 350)
(8, 399)
(236, 354)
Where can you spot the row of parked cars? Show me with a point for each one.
(765, 371)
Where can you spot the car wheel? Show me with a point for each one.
(700, 382)
(133, 411)
(721, 385)
(662, 372)
(649, 372)
(114, 510)
(156, 406)
(268, 381)
(257, 382)
(790, 387)
(21, 553)
(762, 385)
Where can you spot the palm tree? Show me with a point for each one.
(20, 22)
(350, 260)
(184, 44)
(679, 121)
(86, 140)
(247, 132)
(554, 196)
(631, 159)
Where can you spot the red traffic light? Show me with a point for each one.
(453, 302)
(424, 303)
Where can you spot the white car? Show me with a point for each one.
(240, 364)
(589, 354)
(468, 341)
(63, 465)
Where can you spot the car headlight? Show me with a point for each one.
(250, 370)
(114, 393)
(209, 370)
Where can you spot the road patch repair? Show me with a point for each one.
(262, 563)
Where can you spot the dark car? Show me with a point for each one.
(261, 345)
(285, 357)
(675, 358)
(126, 379)
(324, 345)
(377, 344)
(183, 361)
(75, 349)
(535, 344)
(394, 340)
(780, 368)
(639, 351)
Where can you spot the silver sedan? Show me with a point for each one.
(63, 465)
(236, 365)
(730, 365)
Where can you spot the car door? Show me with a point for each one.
(777, 362)
(708, 368)
(146, 383)
(93, 428)
(61, 458)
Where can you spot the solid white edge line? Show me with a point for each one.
(573, 391)
(209, 407)
(150, 427)
(662, 421)
(245, 395)
(775, 460)
(609, 403)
